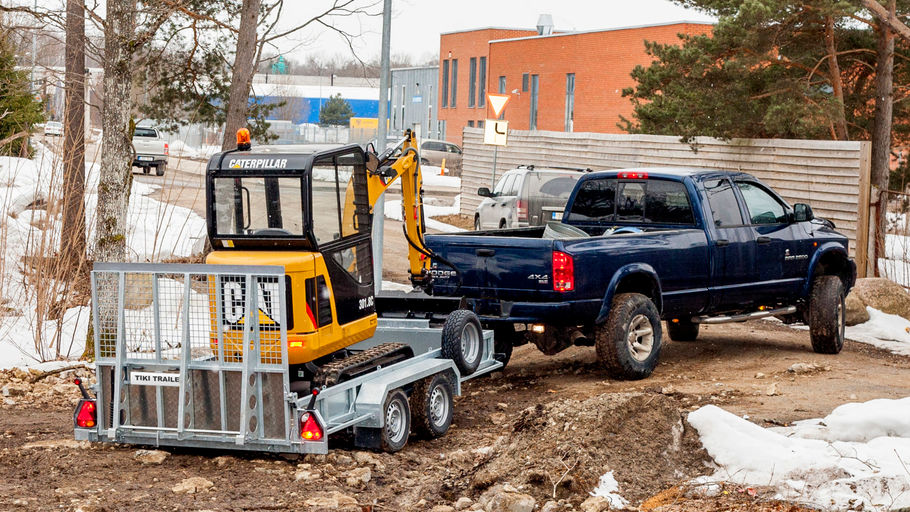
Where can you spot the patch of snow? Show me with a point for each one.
(608, 488)
(393, 211)
(859, 454)
(890, 332)
(432, 178)
(397, 287)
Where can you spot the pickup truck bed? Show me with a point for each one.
(695, 244)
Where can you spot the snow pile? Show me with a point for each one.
(393, 211)
(608, 488)
(859, 455)
(34, 327)
(432, 178)
(890, 332)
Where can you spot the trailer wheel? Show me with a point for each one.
(462, 340)
(397, 422)
(628, 343)
(827, 315)
(682, 330)
(432, 405)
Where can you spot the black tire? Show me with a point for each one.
(682, 330)
(397, 425)
(145, 170)
(477, 223)
(504, 340)
(462, 340)
(502, 223)
(625, 358)
(827, 315)
(432, 404)
(159, 169)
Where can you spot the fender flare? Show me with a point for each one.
(825, 249)
(624, 272)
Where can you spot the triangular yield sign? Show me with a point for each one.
(498, 102)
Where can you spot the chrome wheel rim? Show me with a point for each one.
(439, 405)
(640, 340)
(394, 422)
(470, 342)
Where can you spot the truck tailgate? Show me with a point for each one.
(501, 267)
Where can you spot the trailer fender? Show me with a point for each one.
(632, 278)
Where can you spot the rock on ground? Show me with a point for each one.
(151, 456)
(192, 485)
(883, 295)
(332, 501)
(506, 498)
(856, 311)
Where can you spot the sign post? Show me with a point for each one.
(496, 132)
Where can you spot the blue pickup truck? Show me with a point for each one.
(636, 246)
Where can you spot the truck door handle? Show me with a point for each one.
(723, 242)
(764, 240)
(485, 252)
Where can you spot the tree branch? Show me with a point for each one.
(882, 14)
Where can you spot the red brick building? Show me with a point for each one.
(570, 81)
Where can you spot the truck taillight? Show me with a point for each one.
(86, 416)
(563, 272)
(522, 208)
(309, 428)
(167, 150)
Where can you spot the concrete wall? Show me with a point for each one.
(832, 176)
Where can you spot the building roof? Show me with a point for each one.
(633, 27)
(519, 29)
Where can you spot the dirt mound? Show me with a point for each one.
(566, 446)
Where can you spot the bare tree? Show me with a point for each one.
(73, 245)
(242, 74)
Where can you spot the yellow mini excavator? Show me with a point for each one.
(310, 211)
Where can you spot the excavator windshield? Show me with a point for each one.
(259, 206)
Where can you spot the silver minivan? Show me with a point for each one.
(526, 196)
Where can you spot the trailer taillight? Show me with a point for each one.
(309, 428)
(522, 208)
(563, 272)
(86, 414)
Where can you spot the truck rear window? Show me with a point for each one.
(145, 132)
(650, 201)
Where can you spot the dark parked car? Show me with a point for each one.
(526, 196)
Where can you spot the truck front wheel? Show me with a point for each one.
(628, 343)
(682, 330)
(827, 315)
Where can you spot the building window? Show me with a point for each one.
(480, 123)
(570, 101)
(534, 93)
(482, 96)
(441, 128)
(524, 82)
(454, 81)
(472, 81)
(445, 83)
(502, 85)
(470, 124)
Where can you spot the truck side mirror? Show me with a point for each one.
(802, 212)
(484, 192)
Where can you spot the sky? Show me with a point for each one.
(416, 24)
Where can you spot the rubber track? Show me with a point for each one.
(331, 373)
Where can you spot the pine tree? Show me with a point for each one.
(337, 111)
(19, 109)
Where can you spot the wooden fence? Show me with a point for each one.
(832, 176)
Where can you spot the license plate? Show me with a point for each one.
(155, 379)
(556, 216)
(145, 159)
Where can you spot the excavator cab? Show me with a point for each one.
(308, 209)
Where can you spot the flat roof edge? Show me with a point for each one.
(582, 32)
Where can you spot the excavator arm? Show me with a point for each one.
(403, 163)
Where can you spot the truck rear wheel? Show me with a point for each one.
(432, 405)
(827, 315)
(682, 330)
(628, 343)
(397, 427)
(145, 170)
(159, 169)
(504, 340)
(462, 340)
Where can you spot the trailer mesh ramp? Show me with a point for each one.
(192, 355)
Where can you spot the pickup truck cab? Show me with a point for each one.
(150, 149)
(635, 246)
(526, 196)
